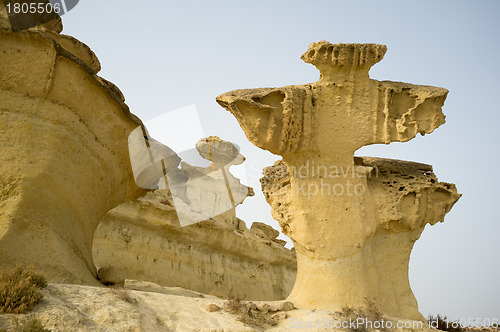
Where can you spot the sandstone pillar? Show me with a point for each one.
(352, 229)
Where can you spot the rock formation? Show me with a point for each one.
(210, 191)
(145, 240)
(353, 223)
(198, 193)
(64, 160)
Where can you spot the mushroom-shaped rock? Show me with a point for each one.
(207, 192)
(64, 158)
(342, 112)
(349, 225)
(219, 152)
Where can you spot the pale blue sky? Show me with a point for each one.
(165, 55)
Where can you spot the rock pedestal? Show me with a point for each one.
(353, 223)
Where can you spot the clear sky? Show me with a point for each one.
(165, 55)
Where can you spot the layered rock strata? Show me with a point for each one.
(64, 160)
(144, 240)
(187, 234)
(353, 233)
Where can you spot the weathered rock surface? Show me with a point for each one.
(352, 231)
(198, 193)
(83, 308)
(64, 160)
(144, 240)
(264, 230)
(405, 196)
(209, 191)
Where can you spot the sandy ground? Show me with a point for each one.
(148, 307)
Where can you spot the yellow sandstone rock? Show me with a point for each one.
(353, 223)
(145, 240)
(64, 160)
